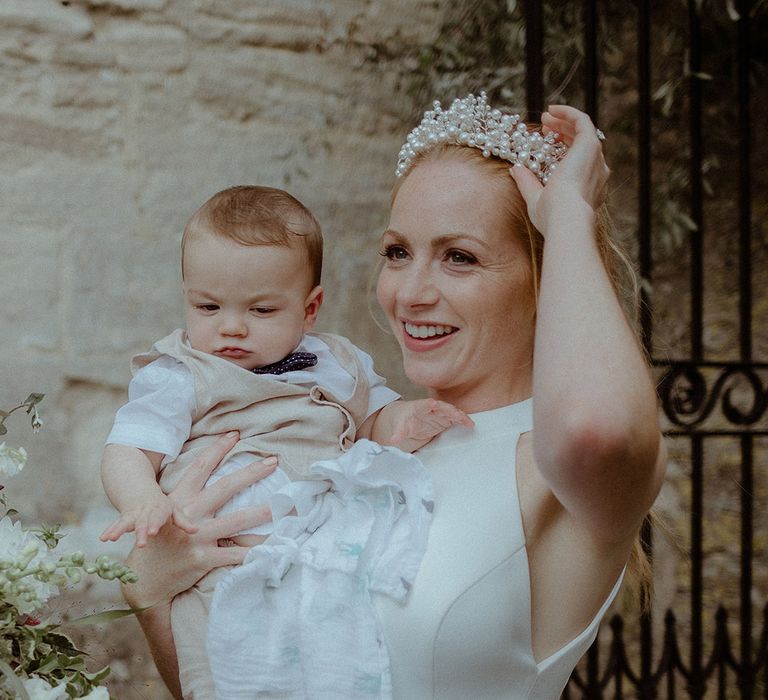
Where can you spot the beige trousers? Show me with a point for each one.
(189, 622)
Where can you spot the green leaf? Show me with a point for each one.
(105, 616)
(99, 676)
(12, 682)
(33, 399)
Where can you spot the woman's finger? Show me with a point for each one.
(216, 495)
(528, 184)
(204, 465)
(570, 122)
(232, 523)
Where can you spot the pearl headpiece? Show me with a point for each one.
(471, 122)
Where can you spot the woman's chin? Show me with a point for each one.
(427, 376)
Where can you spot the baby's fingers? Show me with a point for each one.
(141, 527)
(454, 416)
(117, 529)
(182, 520)
(156, 519)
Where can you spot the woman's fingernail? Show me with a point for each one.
(269, 461)
(231, 434)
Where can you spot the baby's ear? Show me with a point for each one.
(312, 305)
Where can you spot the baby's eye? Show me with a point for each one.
(262, 310)
(460, 257)
(394, 252)
(207, 307)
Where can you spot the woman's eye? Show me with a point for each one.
(459, 257)
(394, 252)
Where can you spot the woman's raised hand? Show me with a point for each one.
(581, 177)
(174, 560)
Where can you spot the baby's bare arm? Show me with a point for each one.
(129, 476)
(410, 425)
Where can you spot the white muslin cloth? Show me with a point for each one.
(296, 620)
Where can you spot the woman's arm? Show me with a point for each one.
(173, 560)
(597, 440)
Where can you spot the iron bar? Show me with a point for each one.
(696, 185)
(534, 58)
(746, 681)
(746, 677)
(696, 682)
(744, 193)
(591, 67)
(644, 168)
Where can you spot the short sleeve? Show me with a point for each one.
(158, 415)
(380, 394)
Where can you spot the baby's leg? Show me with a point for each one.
(189, 622)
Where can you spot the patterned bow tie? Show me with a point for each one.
(291, 363)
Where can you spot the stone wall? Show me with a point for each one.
(119, 118)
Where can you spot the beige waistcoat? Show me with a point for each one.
(297, 425)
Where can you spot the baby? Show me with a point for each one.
(251, 259)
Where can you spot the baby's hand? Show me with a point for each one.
(147, 519)
(420, 421)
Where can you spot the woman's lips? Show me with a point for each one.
(426, 336)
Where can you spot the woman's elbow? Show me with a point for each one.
(596, 446)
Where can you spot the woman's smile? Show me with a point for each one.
(427, 330)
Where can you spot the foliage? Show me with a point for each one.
(481, 45)
(38, 661)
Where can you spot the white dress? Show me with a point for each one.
(465, 630)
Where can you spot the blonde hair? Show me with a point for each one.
(253, 215)
(616, 262)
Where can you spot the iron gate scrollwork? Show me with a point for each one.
(701, 398)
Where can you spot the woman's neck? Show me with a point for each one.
(486, 397)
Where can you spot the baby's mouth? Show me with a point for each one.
(427, 330)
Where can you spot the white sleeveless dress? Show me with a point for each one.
(465, 630)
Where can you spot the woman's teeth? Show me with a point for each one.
(427, 331)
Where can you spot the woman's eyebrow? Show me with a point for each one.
(453, 237)
(441, 240)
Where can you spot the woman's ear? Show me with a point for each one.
(312, 305)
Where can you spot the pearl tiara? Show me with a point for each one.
(471, 122)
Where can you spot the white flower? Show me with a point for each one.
(38, 689)
(99, 693)
(12, 459)
(15, 545)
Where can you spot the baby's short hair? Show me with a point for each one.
(256, 215)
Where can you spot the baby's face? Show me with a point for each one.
(246, 304)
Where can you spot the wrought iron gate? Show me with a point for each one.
(702, 398)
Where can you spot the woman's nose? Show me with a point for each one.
(418, 288)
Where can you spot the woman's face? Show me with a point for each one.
(456, 286)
